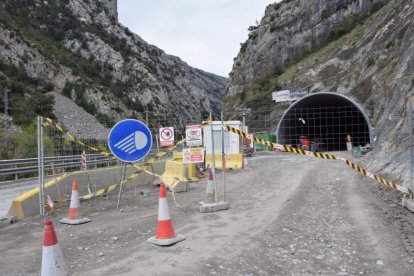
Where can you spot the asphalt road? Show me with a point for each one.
(289, 215)
(12, 189)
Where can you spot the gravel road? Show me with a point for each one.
(289, 215)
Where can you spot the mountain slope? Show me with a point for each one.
(370, 60)
(78, 48)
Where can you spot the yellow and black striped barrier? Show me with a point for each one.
(350, 164)
(104, 191)
(377, 178)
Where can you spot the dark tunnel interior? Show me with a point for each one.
(325, 119)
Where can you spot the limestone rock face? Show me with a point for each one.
(78, 42)
(289, 31)
(361, 49)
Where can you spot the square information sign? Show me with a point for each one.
(166, 136)
(193, 136)
(193, 155)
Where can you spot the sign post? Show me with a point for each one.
(129, 140)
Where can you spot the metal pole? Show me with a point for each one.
(42, 151)
(410, 131)
(120, 185)
(223, 159)
(39, 164)
(213, 158)
(158, 146)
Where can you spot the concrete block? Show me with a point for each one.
(213, 207)
(408, 203)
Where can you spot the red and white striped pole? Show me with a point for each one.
(83, 161)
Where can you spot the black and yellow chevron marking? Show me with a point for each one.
(106, 190)
(237, 131)
(381, 180)
(264, 142)
(294, 150)
(325, 155)
(356, 168)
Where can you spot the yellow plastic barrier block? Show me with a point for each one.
(174, 173)
(232, 161)
(178, 155)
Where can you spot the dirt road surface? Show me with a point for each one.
(289, 215)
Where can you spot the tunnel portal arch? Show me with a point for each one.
(325, 118)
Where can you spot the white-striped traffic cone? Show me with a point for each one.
(53, 263)
(209, 196)
(74, 216)
(165, 232)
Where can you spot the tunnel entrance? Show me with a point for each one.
(325, 119)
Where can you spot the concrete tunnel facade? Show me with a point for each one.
(325, 118)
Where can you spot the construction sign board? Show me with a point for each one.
(193, 155)
(166, 136)
(288, 95)
(193, 136)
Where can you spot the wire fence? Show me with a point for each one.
(326, 127)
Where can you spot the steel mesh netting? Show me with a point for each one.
(102, 171)
(260, 121)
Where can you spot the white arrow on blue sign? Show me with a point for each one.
(130, 140)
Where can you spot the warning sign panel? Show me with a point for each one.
(193, 155)
(193, 136)
(166, 136)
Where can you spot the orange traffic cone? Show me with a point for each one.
(209, 196)
(52, 258)
(74, 216)
(165, 231)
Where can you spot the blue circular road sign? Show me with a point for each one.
(130, 140)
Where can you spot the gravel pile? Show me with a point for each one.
(76, 120)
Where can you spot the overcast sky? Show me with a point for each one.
(204, 33)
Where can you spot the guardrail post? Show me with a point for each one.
(16, 175)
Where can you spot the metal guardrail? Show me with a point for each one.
(64, 163)
(17, 167)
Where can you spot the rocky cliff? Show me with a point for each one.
(78, 48)
(361, 49)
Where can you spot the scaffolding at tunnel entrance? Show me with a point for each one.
(325, 128)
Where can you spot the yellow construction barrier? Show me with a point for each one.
(233, 161)
(176, 172)
(28, 203)
(178, 155)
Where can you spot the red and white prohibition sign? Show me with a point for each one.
(166, 136)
